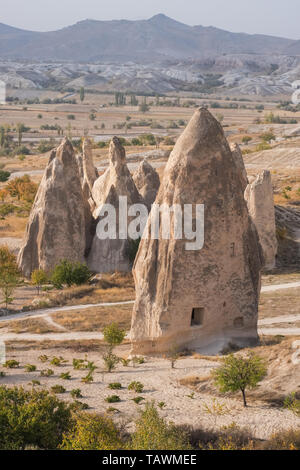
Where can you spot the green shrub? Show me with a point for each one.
(30, 368)
(7, 209)
(110, 361)
(292, 403)
(154, 433)
(58, 389)
(4, 176)
(78, 364)
(57, 361)
(138, 400)
(11, 364)
(70, 273)
(137, 387)
(115, 386)
(47, 372)
(43, 358)
(34, 418)
(65, 376)
(76, 393)
(284, 440)
(113, 399)
(79, 406)
(92, 432)
(88, 378)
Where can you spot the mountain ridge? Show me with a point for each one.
(153, 40)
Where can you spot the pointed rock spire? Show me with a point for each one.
(147, 182)
(112, 255)
(56, 226)
(204, 298)
(260, 200)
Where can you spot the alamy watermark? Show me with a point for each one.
(2, 92)
(178, 222)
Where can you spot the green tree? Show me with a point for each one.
(38, 278)
(9, 275)
(238, 373)
(113, 336)
(82, 94)
(70, 273)
(20, 129)
(144, 108)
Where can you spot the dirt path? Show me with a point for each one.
(67, 308)
(289, 285)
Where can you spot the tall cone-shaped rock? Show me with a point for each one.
(90, 173)
(112, 255)
(88, 178)
(56, 226)
(147, 182)
(260, 200)
(204, 298)
(239, 161)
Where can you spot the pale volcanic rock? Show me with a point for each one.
(111, 255)
(239, 161)
(208, 298)
(260, 200)
(147, 182)
(56, 226)
(90, 173)
(89, 176)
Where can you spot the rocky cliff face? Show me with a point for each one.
(56, 226)
(260, 200)
(205, 298)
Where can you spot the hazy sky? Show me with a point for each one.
(276, 17)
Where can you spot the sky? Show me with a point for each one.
(272, 17)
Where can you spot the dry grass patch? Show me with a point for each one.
(282, 302)
(194, 380)
(80, 346)
(28, 325)
(94, 319)
(13, 226)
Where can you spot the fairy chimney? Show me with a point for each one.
(56, 226)
(260, 200)
(147, 182)
(112, 255)
(206, 298)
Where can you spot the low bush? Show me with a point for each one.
(115, 386)
(92, 432)
(113, 399)
(58, 389)
(137, 387)
(34, 418)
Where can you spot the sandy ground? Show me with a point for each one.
(161, 384)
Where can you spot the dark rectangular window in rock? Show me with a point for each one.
(197, 316)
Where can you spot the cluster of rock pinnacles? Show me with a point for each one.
(202, 299)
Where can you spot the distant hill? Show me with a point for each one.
(153, 40)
